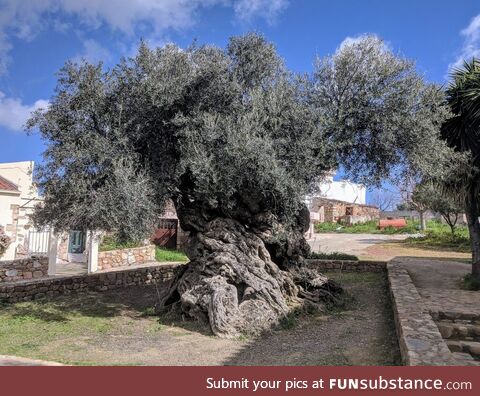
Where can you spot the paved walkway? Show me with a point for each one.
(438, 282)
(439, 322)
(350, 243)
(18, 361)
(71, 269)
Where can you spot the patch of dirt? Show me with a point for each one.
(435, 274)
(363, 334)
(387, 251)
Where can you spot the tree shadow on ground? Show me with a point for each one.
(37, 312)
(135, 302)
(362, 333)
(174, 318)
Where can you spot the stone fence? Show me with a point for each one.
(419, 338)
(23, 269)
(125, 257)
(55, 286)
(24, 290)
(347, 265)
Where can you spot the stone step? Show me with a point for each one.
(455, 316)
(470, 347)
(458, 330)
(465, 359)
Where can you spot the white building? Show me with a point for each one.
(335, 200)
(18, 197)
(341, 190)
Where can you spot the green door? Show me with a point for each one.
(76, 243)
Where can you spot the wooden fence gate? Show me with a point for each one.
(166, 234)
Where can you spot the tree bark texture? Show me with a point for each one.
(243, 277)
(472, 213)
(423, 221)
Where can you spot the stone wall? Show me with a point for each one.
(51, 287)
(332, 210)
(126, 257)
(23, 269)
(419, 338)
(347, 265)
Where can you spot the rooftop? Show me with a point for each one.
(7, 185)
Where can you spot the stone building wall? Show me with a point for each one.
(332, 211)
(23, 269)
(56, 286)
(126, 257)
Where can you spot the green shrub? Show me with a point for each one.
(332, 256)
(111, 242)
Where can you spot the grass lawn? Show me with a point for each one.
(119, 327)
(438, 236)
(37, 330)
(163, 254)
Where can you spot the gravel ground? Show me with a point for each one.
(377, 246)
(118, 330)
(356, 244)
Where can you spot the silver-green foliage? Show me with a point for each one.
(383, 116)
(227, 128)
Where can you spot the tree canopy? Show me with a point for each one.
(236, 140)
(434, 197)
(232, 129)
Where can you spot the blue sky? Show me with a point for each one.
(38, 36)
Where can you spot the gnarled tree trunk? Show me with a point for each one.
(244, 275)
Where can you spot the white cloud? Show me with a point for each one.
(94, 52)
(471, 44)
(24, 19)
(14, 114)
(349, 40)
(246, 10)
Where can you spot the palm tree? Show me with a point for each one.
(462, 132)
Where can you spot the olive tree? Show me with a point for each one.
(434, 197)
(236, 140)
